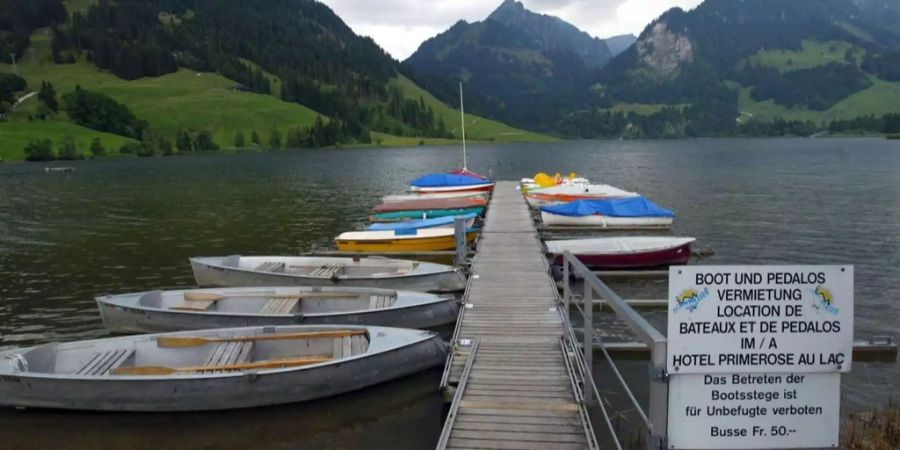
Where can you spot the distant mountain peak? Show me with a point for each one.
(551, 33)
(509, 6)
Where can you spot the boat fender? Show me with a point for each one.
(299, 317)
(335, 279)
(251, 376)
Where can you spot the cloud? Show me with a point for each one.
(400, 26)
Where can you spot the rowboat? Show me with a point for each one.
(565, 193)
(430, 204)
(213, 369)
(632, 211)
(197, 309)
(625, 252)
(426, 214)
(445, 222)
(434, 196)
(424, 239)
(376, 272)
(447, 182)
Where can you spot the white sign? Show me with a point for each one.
(736, 319)
(730, 411)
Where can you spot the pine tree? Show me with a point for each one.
(183, 142)
(165, 146)
(239, 139)
(97, 148)
(275, 139)
(204, 142)
(68, 149)
(48, 95)
(254, 138)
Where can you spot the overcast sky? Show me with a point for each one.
(399, 26)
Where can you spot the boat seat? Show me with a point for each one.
(277, 267)
(102, 362)
(407, 270)
(280, 306)
(380, 301)
(346, 347)
(228, 353)
(328, 270)
(194, 305)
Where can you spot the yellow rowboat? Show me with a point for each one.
(424, 239)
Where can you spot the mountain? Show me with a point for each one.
(618, 44)
(518, 66)
(548, 33)
(815, 59)
(290, 68)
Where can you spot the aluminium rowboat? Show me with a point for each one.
(197, 309)
(213, 369)
(625, 252)
(376, 272)
(424, 239)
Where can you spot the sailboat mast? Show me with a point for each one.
(462, 118)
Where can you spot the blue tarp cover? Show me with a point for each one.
(445, 179)
(416, 224)
(620, 207)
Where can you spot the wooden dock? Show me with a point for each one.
(514, 386)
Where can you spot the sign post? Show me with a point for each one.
(755, 355)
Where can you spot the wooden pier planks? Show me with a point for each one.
(518, 393)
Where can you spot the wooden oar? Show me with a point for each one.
(189, 341)
(268, 364)
(212, 296)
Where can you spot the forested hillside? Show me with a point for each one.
(225, 71)
(518, 66)
(766, 59)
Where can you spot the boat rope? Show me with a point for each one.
(19, 363)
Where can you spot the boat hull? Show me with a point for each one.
(127, 319)
(403, 245)
(536, 200)
(603, 221)
(230, 391)
(208, 275)
(487, 187)
(425, 214)
(656, 258)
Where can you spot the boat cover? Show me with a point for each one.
(445, 180)
(619, 207)
(468, 173)
(416, 224)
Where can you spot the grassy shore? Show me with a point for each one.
(186, 100)
(878, 430)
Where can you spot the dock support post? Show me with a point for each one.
(459, 231)
(588, 347)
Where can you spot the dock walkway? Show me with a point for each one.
(517, 390)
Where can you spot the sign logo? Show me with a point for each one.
(690, 299)
(824, 301)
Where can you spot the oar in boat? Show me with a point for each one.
(268, 364)
(191, 341)
(212, 296)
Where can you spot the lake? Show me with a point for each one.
(124, 225)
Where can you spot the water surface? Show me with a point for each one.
(123, 225)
